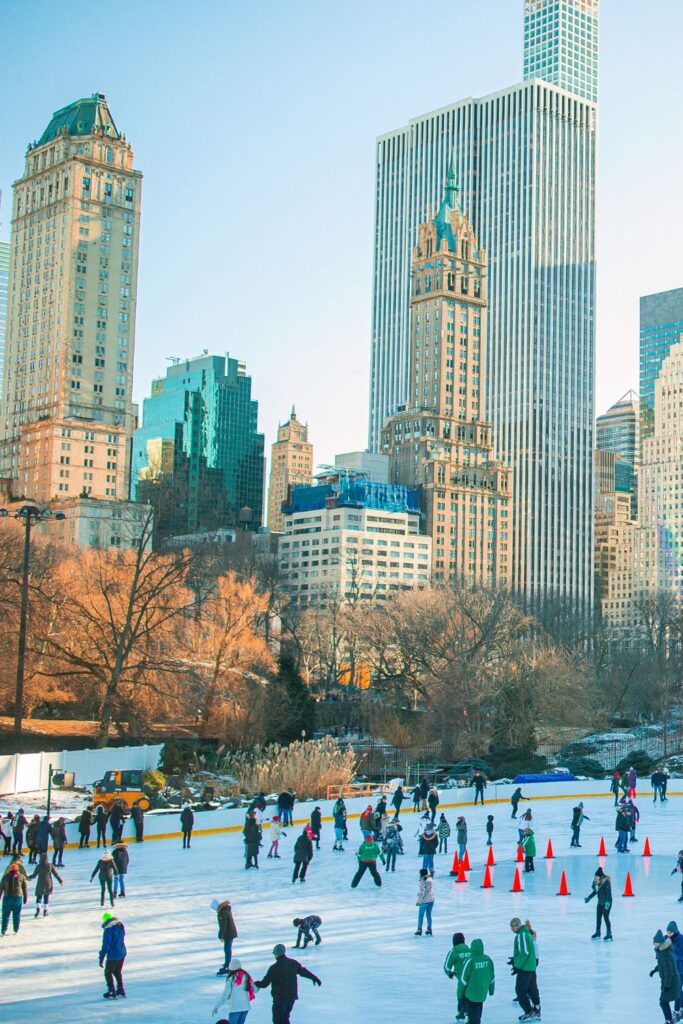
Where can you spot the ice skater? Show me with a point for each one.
(252, 841)
(433, 802)
(479, 783)
(454, 964)
(676, 938)
(187, 824)
(526, 821)
(391, 845)
(339, 816)
(397, 800)
(227, 930)
(117, 819)
(622, 827)
(529, 848)
(515, 799)
(316, 826)
(106, 868)
(429, 842)
(425, 901)
(477, 982)
(137, 816)
(58, 842)
(461, 836)
(306, 926)
(367, 821)
(524, 963)
(19, 823)
(670, 980)
(112, 955)
(14, 892)
(602, 888)
(44, 872)
(84, 826)
(276, 832)
(303, 855)
(367, 855)
(489, 830)
(443, 830)
(679, 868)
(237, 994)
(121, 860)
(101, 819)
(32, 839)
(578, 818)
(417, 798)
(282, 978)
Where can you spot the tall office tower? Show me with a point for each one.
(291, 462)
(661, 326)
(66, 411)
(440, 442)
(618, 431)
(613, 518)
(561, 44)
(525, 159)
(198, 456)
(4, 287)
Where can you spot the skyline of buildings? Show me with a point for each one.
(525, 161)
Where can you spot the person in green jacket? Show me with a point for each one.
(368, 852)
(454, 965)
(529, 847)
(524, 962)
(477, 981)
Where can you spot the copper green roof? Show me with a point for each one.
(82, 118)
(449, 203)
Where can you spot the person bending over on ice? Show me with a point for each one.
(523, 962)
(454, 964)
(306, 925)
(477, 982)
(44, 886)
(238, 993)
(602, 888)
(368, 852)
(112, 955)
(107, 870)
(282, 979)
(669, 977)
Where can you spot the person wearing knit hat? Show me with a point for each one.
(112, 955)
(121, 859)
(602, 888)
(677, 944)
(14, 892)
(227, 930)
(282, 979)
(106, 868)
(670, 979)
(367, 854)
(238, 993)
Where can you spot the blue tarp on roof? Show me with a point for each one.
(546, 777)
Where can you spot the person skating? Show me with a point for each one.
(316, 826)
(339, 815)
(237, 994)
(18, 862)
(429, 842)
(367, 855)
(275, 833)
(282, 979)
(622, 827)
(101, 819)
(478, 980)
(380, 818)
(19, 823)
(679, 867)
(84, 826)
(479, 783)
(529, 848)
(32, 839)
(524, 962)
(514, 800)
(461, 836)
(454, 964)
(433, 802)
(425, 901)
(258, 804)
(367, 821)
(121, 860)
(489, 830)
(43, 835)
(677, 943)
(7, 836)
(615, 787)
(59, 842)
(137, 816)
(656, 780)
(635, 818)
(665, 784)
(397, 800)
(44, 872)
(252, 841)
(117, 819)
(391, 846)
(632, 782)
(106, 869)
(417, 798)
(227, 930)
(602, 888)
(306, 926)
(424, 793)
(187, 824)
(14, 892)
(670, 980)
(526, 821)
(578, 818)
(443, 831)
(112, 955)
(303, 855)
(285, 805)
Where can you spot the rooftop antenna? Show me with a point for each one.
(174, 360)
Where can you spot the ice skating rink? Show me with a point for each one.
(372, 966)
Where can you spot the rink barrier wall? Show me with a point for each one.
(232, 820)
(27, 773)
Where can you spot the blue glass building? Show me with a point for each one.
(661, 326)
(198, 457)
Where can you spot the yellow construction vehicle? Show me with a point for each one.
(125, 786)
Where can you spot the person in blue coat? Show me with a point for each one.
(677, 943)
(112, 955)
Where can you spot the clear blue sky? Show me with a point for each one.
(254, 124)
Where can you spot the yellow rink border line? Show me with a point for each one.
(224, 829)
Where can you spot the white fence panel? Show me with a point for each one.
(25, 773)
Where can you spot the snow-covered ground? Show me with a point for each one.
(372, 966)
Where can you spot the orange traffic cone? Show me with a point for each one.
(646, 849)
(549, 855)
(628, 888)
(563, 890)
(466, 861)
(520, 854)
(517, 884)
(488, 881)
(454, 869)
(462, 877)
(490, 860)
(602, 852)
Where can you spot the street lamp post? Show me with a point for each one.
(27, 514)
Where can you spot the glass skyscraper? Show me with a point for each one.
(561, 44)
(4, 288)
(661, 326)
(618, 431)
(198, 457)
(525, 161)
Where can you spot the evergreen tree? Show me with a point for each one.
(292, 709)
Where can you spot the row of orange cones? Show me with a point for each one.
(517, 883)
(549, 855)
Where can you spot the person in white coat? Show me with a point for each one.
(276, 832)
(237, 994)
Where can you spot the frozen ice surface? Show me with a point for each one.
(372, 966)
